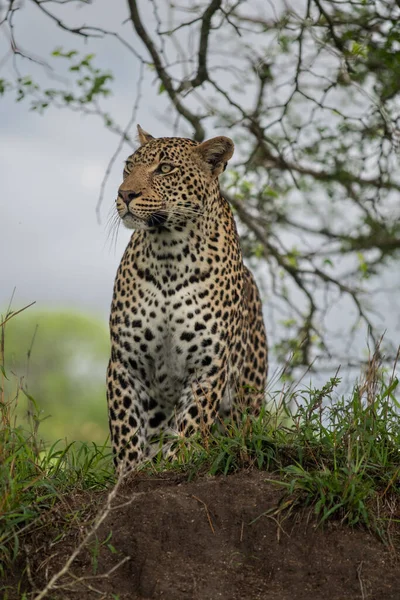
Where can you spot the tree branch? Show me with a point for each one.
(202, 73)
(194, 120)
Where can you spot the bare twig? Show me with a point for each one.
(102, 515)
(13, 314)
(207, 512)
(360, 581)
(121, 142)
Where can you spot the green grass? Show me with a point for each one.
(33, 478)
(338, 456)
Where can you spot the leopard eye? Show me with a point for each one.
(127, 168)
(165, 168)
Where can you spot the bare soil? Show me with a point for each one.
(213, 538)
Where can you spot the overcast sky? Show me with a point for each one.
(53, 250)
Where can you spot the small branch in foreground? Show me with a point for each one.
(13, 314)
(103, 514)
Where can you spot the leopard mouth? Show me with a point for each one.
(157, 219)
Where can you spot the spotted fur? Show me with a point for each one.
(188, 344)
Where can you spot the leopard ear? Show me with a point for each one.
(215, 153)
(143, 136)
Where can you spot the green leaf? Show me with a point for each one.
(267, 191)
(3, 86)
(358, 49)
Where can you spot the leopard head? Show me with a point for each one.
(167, 180)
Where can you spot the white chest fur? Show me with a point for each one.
(171, 337)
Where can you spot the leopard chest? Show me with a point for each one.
(169, 334)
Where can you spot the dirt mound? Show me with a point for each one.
(219, 538)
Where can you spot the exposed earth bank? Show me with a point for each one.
(214, 538)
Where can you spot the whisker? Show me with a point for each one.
(112, 221)
(186, 212)
(188, 209)
(111, 215)
(112, 227)
(116, 234)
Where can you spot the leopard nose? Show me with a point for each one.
(127, 196)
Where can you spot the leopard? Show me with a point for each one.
(188, 340)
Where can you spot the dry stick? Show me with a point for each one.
(111, 571)
(85, 580)
(279, 528)
(359, 569)
(14, 314)
(99, 520)
(391, 482)
(28, 567)
(207, 513)
(75, 581)
(121, 142)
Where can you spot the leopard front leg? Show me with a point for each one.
(124, 415)
(135, 419)
(197, 410)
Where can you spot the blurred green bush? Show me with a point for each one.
(55, 364)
